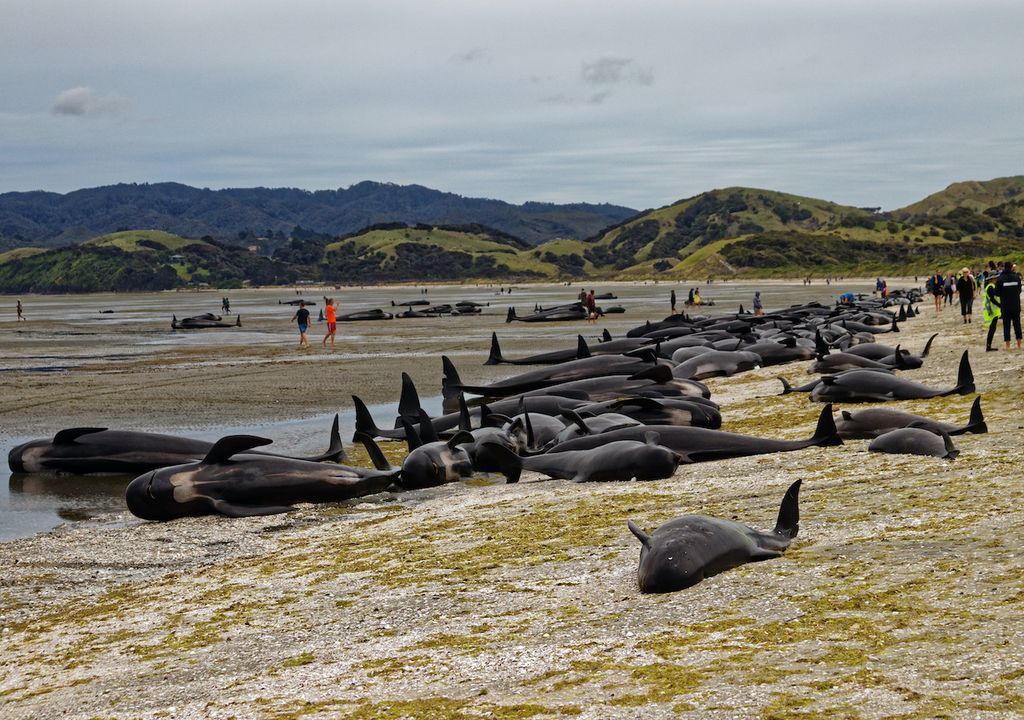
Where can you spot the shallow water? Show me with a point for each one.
(139, 327)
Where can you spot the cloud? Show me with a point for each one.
(470, 56)
(85, 102)
(616, 71)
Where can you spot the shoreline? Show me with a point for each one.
(897, 598)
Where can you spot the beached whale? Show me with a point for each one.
(622, 460)
(870, 386)
(85, 450)
(872, 422)
(915, 440)
(203, 322)
(697, 444)
(233, 482)
(688, 549)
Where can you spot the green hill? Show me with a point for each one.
(975, 195)
(135, 260)
(732, 232)
(751, 232)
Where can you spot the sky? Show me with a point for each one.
(639, 103)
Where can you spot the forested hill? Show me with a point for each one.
(44, 219)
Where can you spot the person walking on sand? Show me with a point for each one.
(758, 307)
(332, 323)
(990, 310)
(672, 301)
(1008, 287)
(301, 316)
(937, 283)
(965, 291)
(20, 316)
(591, 307)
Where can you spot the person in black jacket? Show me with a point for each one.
(1008, 286)
(965, 291)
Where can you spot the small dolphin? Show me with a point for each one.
(684, 551)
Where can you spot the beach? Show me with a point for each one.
(900, 598)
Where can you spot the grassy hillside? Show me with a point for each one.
(733, 232)
(135, 260)
(975, 195)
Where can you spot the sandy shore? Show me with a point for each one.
(901, 597)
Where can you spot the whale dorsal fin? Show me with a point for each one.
(66, 437)
(224, 448)
(643, 537)
(460, 438)
(847, 415)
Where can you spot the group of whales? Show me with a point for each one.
(631, 408)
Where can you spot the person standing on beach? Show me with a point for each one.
(332, 323)
(937, 283)
(301, 316)
(965, 291)
(990, 310)
(20, 316)
(758, 307)
(672, 300)
(591, 307)
(1008, 287)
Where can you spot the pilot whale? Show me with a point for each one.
(85, 450)
(233, 482)
(688, 549)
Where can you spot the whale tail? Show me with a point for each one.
(820, 346)
(373, 450)
(606, 336)
(495, 357)
(910, 311)
(895, 327)
(511, 315)
(903, 314)
(509, 464)
(643, 537)
(788, 523)
(826, 432)
(975, 423)
(928, 346)
(335, 450)
(964, 378)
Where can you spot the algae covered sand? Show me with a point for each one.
(901, 597)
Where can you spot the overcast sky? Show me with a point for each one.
(635, 103)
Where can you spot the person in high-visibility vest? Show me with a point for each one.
(990, 311)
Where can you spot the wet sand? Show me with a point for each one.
(900, 598)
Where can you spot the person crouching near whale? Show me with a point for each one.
(301, 317)
(332, 323)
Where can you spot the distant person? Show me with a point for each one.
(225, 306)
(583, 297)
(1008, 286)
(20, 316)
(758, 307)
(672, 301)
(949, 288)
(990, 310)
(591, 307)
(847, 298)
(696, 296)
(885, 290)
(332, 323)
(938, 283)
(689, 298)
(965, 291)
(301, 317)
